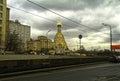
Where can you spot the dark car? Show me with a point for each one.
(115, 59)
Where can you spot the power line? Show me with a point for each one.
(61, 15)
(52, 11)
(65, 25)
(31, 13)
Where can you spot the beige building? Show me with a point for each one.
(23, 31)
(4, 18)
(41, 44)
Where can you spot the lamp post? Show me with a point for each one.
(47, 38)
(110, 35)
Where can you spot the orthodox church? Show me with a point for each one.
(60, 44)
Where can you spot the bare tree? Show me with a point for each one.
(14, 42)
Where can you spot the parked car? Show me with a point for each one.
(115, 59)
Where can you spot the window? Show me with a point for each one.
(0, 29)
(1, 1)
(0, 15)
(0, 41)
(1, 8)
(0, 22)
(0, 38)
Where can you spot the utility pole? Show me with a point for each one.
(77, 45)
(47, 39)
(110, 35)
(80, 37)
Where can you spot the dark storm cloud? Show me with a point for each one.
(63, 4)
(44, 26)
(115, 36)
(66, 25)
(91, 13)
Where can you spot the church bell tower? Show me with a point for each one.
(60, 44)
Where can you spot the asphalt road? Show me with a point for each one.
(101, 72)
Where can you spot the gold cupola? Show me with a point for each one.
(59, 24)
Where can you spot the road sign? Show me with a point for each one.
(80, 36)
(115, 46)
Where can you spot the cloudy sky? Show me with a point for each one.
(88, 16)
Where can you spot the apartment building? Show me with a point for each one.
(42, 43)
(23, 31)
(4, 22)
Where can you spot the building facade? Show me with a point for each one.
(23, 32)
(41, 44)
(4, 18)
(60, 43)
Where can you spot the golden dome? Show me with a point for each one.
(59, 24)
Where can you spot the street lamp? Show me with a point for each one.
(47, 38)
(110, 35)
